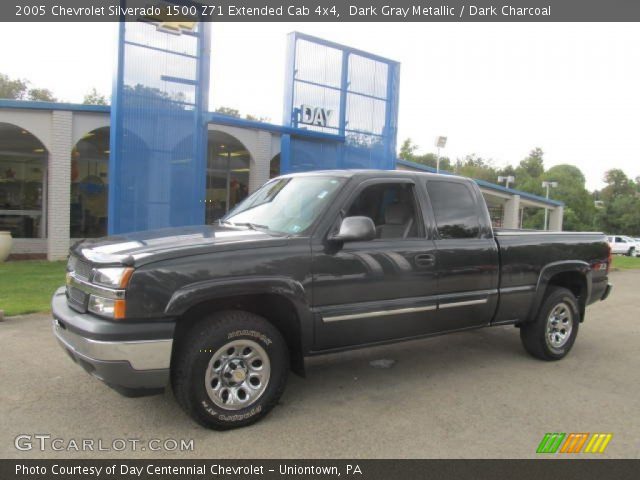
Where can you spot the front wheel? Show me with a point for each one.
(631, 251)
(230, 370)
(553, 333)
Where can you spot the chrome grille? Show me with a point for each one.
(77, 299)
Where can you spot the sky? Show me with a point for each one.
(495, 90)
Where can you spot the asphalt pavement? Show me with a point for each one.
(466, 395)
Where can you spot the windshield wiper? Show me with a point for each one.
(252, 226)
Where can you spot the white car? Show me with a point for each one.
(637, 246)
(623, 245)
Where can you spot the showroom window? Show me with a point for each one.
(23, 163)
(90, 185)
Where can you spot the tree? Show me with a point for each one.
(232, 112)
(94, 98)
(18, 89)
(580, 210)
(408, 150)
(621, 212)
(15, 89)
(477, 167)
(533, 165)
(42, 95)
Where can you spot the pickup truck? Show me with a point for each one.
(308, 264)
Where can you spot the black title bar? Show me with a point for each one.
(324, 10)
(330, 469)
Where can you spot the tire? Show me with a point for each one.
(230, 370)
(550, 337)
(631, 251)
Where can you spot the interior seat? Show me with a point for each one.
(398, 221)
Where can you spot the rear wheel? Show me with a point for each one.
(631, 252)
(553, 333)
(230, 370)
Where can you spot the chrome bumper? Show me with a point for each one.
(131, 367)
(142, 355)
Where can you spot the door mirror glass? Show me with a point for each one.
(354, 229)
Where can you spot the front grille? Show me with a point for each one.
(77, 299)
(82, 270)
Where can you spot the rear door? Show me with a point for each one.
(466, 255)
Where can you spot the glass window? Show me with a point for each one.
(90, 185)
(392, 207)
(286, 205)
(455, 209)
(23, 161)
(227, 175)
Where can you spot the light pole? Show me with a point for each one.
(547, 185)
(441, 142)
(507, 180)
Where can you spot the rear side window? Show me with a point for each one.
(455, 209)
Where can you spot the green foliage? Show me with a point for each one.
(621, 210)
(408, 151)
(621, 197)
(18, 89)
(94, 98)
(232, 112)
(42, 95)
(15, 89)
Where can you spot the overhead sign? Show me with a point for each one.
(315, 115)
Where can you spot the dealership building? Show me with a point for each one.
(158, 157)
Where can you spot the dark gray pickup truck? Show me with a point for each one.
(309, 264)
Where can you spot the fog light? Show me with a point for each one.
(107, 307)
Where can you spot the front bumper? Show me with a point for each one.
(131, 366)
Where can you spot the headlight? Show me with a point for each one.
(116, 277)
(107, 307)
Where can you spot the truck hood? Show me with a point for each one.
(152, 245)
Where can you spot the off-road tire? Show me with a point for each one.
(535, 335)
(194, 355)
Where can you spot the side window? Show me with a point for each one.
(455, 209)
(619, 240)
(392, 207)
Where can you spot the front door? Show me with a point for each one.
(377, 290)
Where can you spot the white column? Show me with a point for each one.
(259, 173)
(59, 185)
(511, 212)
(555, 218)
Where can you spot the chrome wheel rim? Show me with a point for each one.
(559, 325)
(237, 375)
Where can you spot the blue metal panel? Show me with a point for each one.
(158, 139)
(359, 89)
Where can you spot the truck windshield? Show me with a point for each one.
(286, 205)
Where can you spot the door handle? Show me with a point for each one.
(425, 260)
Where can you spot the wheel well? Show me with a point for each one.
(576, 282)
(276, 309)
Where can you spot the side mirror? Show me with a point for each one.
(353, 229)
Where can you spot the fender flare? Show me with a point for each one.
(196, 293)
(552, 269)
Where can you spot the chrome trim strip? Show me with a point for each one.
(90, 288)
(524, 288)
(142, 354)
(503, 233)
(379, 313)
(463, 304)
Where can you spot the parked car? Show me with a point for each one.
(310, 264)
(623, 245)
(637, 252)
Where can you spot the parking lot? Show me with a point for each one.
(467, 395)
